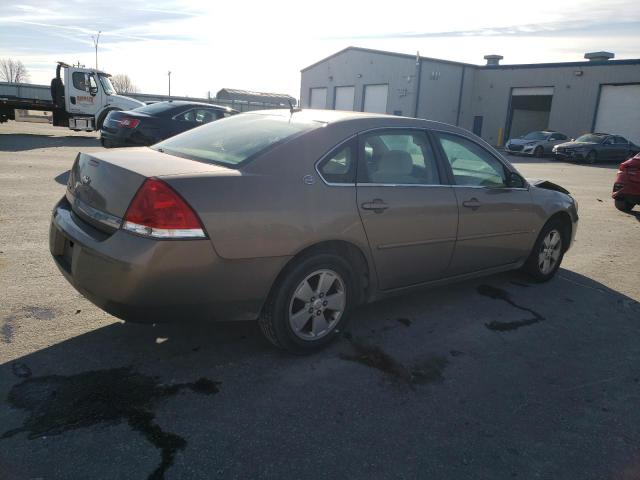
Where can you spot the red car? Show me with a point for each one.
(626, 189)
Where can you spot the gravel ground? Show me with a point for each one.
(420, 388)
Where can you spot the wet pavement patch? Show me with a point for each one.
(427, 371)
(21, 370)
(499, 294)
(59, 403)
(405, 321)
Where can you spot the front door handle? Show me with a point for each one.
(472, 203)
(377, 205)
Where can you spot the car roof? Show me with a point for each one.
(185, 103)
(340, 116)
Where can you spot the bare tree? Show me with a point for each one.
(13, 71)
(123, 84)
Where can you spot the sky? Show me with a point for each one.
(262, 46)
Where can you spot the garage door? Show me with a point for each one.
(344, 98)
(375, 98)
(619, 111)
(318, 98)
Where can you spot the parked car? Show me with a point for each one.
(296, 217)
(536, 144)
(594, 147)
(626, 188)
(155, 122)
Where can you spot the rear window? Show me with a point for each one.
(156, 108)
(233, 140)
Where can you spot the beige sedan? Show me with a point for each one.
(296, 217)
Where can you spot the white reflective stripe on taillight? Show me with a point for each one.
(163, 232)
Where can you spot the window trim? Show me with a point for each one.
(441, 173)
(447, 165)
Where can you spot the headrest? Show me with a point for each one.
(397, 162)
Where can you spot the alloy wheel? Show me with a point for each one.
(550, 250)
(317, 304)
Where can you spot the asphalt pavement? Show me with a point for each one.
(427, 385)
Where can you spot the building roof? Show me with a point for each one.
(261, 97)
(635, 61)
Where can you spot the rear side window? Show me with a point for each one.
(340, 165)
(471, 164)
(398, 158)
(198, 116)
(231, 141)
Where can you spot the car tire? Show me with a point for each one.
(105, 143)
(546, 256)
(538, 152)
(297, 316)
(591, 158)
(623, 205)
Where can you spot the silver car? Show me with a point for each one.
(296, 217)
(535, 144)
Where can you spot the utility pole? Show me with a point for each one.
(96, 39)
(169, 74)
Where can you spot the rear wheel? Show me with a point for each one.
(310, 304)
(547, 253)
(623, 205)
(539, 152)
(591, 158)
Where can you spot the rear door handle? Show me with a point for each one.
(472, 203)
(377, 205)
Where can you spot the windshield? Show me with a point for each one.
(535, 136)
(106, 85)
(233, 140)
(590, 138)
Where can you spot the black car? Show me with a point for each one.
(155, 122)
(594, 147)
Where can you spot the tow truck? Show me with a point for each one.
(80, 102)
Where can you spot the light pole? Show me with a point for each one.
(169, 74)
(96, 39)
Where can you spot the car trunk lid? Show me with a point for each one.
(102, 185)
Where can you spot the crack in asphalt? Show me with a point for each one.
(496, 293)
(59, 403)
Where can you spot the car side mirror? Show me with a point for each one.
(515, 180)
(93, 91)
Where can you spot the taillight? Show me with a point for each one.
(129, 122)
(158, 211)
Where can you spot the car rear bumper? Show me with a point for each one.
(125, 137)
(145, 280)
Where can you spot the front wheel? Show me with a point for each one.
(547, 253)
(591, 158)
(310, 304)
(623, 205)
(539, 152)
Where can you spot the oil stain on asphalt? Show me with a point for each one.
(427, 371)
(59, 403)
(499, 294)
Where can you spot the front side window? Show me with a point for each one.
(472, 165)
(339, 166)
(231, 141)
(398, 158)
